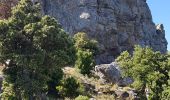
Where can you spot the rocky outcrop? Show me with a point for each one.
(126, 95)
(110, 73)
(117, 25)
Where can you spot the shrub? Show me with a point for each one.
(7, 93)
(84, 62)
(86, 50)
(84, 43)
(69, 87)
(56, 77)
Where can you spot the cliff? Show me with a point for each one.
(117, 25)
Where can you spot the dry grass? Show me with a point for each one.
(105, 97)
(81, 78)
(106, 88)
(1, 69)
(84, 79)
(104, 91)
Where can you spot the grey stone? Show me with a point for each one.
(117, 25)
(109, 73)
(125, 81)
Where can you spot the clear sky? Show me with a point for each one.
(160, 10)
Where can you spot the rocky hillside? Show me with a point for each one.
(116, 24)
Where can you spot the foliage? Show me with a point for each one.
(8, 93)
(69, 87)
(166, 92)
(86, 50)
(84, 62)
(80, 97)
(85, 44)
(149, 70)
(36, 48)
(56, 77)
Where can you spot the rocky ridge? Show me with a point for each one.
(117, 25)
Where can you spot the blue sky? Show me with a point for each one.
(160, 10)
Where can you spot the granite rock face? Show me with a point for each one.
(117, 25)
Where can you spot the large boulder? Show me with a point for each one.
(110, 73)
(117, 25)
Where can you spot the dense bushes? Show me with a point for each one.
(86, 50)
(149, 70)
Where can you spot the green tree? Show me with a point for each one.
(36, 48)
(149, 70)
(86, 50)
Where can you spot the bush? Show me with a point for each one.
(69, 87)
(7, 93)
(84, 43)
(80, 97)
(86, 50)
(84, 62)
(56, 77)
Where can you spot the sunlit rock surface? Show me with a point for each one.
(117, 25)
